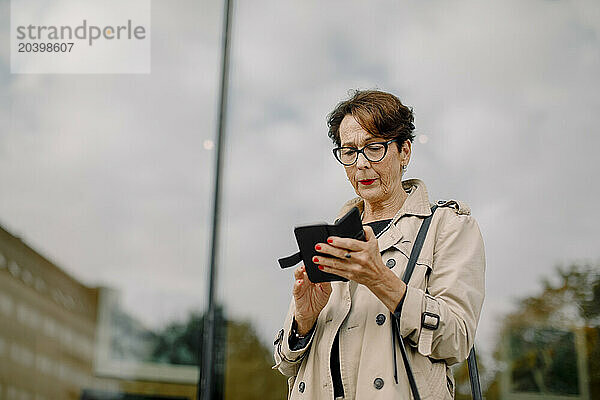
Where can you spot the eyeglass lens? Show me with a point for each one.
(373, 152)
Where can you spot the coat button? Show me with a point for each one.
(380, 319)
(391, 263)
(378, 383)
(301, 387)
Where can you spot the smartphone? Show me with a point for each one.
(349, 226)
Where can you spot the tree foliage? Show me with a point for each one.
(247, 373)
(539, 337)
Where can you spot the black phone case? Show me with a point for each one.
(350, 226)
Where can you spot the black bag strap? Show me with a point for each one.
(417, 246)
(410, 267)
(412, 261)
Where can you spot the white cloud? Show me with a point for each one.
(108, 174)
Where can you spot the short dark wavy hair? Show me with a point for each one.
(379, 113)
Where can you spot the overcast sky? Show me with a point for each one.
(107, 175)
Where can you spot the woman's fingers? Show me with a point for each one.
(335, 265)
(299, 284)
(359, 267)
(351, 244)
(369, 234)
(297, 289)
(306, 280)
(298, 272)
(302, 282)
(346, 243)
(344, 273)
(330, 250)
(325, 287)
(310, 298)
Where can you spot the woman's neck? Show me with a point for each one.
(385, 209)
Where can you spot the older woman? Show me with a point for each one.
(337, 338)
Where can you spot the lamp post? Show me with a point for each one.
(207, 381)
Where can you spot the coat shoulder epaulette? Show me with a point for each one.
(460, 207)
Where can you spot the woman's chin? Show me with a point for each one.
(369, 194)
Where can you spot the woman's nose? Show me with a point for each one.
(362, 162)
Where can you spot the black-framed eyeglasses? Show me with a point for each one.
(373, 152)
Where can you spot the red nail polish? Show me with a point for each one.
(320, 267)
(315, 259)
(329, 241)
(317, 247)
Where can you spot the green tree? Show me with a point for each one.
(179, 343)
(247, 373)
(541, 339)
(248, 370)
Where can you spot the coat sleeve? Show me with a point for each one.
(441, 321)
(287, 361)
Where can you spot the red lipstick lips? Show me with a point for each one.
(367, 181)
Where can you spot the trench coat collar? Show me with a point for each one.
(417, 203)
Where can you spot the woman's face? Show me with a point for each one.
(375, 182)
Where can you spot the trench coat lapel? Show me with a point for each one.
(417, 203)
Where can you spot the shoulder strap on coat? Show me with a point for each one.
(461, 208)
(417, 246)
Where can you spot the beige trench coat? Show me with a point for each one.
(448, 281)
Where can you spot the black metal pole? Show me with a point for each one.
(206, 389)
(474, 375)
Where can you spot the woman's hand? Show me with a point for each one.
(309, 298)
(364, 266)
